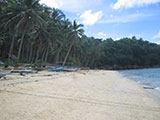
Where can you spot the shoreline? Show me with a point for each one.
(153, 92)
(91, 95)
(130, 67)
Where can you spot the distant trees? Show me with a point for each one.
(32, 33)
(127, 53)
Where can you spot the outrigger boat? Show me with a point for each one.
(66, 69)
(4, 73)
(23, 70)
(56, 69)
(71, 69)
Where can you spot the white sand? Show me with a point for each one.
(93, 95)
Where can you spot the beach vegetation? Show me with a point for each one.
(34, 33)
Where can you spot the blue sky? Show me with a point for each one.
(114, 18)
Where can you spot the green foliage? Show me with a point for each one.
(36, 34)
(32, 64)
(125, 53)
(1, 42)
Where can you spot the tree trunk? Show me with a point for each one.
(37, 56)
(27, 51)
(33, 56)
(11, 48)
(43, 56)
(46, 55)
(30, 55)
(57, 57)
(69, 50)
(23, 57)
(21, 43)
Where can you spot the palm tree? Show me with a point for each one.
(63, 32)
(27, 15)
(8, 12)
(75, 34)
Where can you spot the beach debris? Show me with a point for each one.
(22, 74)
(47, 75)
(85, 68)
(148, 87)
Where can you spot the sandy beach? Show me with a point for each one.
(83, 95)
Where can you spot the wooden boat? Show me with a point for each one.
(23, 71)
(4, 73)
(56, 69)
(85, 68)
(70, 69)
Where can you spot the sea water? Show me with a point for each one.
(148, 77)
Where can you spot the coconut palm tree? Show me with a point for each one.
(64, 30)
(26, 15)
(75, 34)
(8, 12)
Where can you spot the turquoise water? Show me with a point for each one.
(149, 77)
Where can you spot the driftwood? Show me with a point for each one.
(147, 87)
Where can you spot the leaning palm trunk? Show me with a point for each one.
(69, 50)
(57, 57)
(46, 54)
(28, 47)
(43, 56)
(11, 48)
(37, 56)
(21, 43)
(76, 32)
(30, 55)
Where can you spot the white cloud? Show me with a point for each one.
(130, 3)
(89, 18)
(115, 36)
(52, 3)
(73, 5)
(158, 42)
(124, 18)
(116, 39)
(101, 35)
(157, 36)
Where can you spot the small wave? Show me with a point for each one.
(138, 81)
(146, 77)
(157, 88)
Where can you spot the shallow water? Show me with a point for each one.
(149, 77)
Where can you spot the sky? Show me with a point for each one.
(114, 18)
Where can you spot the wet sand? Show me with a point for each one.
(92, 95)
